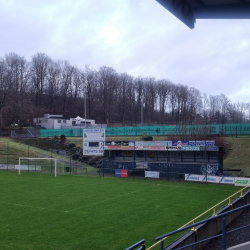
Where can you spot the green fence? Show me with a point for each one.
(236, 129)
(225, 129)
(42, 148)
(164, 130)
(57, 132)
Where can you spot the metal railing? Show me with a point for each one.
(140, 243)
(223, 234)
(229, 199)
(192, 224)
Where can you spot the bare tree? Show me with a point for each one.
(39, 66)
(67, 81)
(53, 87)
(107, 84)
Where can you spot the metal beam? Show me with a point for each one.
(229, 11)
(181, 9)
(199, 2)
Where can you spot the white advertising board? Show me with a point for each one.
(28, 167)
(191, 177)
(93, 141)
(152, 174)
(209, 178)
(3, 166)
(237, 181)
(227, 180)
(241, 181)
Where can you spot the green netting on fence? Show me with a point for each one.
(164, 130)
(236, 129)
(137, 131)
(79, 132)
(57, 132)
(227, 129)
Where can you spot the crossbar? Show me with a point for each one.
(27, 158)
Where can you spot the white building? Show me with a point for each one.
(58, 122)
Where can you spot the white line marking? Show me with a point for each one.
(14, 204)
(111, 198)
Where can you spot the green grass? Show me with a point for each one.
(39, 211)
(238, 156)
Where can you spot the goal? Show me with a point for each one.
(37, 164)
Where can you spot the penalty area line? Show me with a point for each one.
(42, 208)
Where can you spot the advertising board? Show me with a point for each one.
(190, 148)
(152, 174)
(227, 180)
(28, 167)
(241, 181)
(209, 178)
(191, 177)
(155, 145)
(121, 173)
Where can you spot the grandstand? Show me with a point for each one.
(169, 158)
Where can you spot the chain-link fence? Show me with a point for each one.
(70, 160)
(38, 157)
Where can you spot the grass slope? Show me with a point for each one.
(10, 151)
(39, 211)
(239, 155)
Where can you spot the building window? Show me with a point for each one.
(59, 121)
(64, 121)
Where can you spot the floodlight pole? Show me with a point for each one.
(85, 91)
(206, 159)
(141, 114)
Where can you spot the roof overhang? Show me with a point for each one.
(190, 10)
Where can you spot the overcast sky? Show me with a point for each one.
(138, 37)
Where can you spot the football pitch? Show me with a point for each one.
(40, 211)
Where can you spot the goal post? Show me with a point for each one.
(28, 158)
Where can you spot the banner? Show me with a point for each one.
(191, 177)
(190, 148)
(227, 180)
(28, 167)
(241, 181)
(161, 145)
(209, 178)
(121, 173)
(214, 179)
(152, 174)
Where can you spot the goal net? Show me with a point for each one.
(48, 165)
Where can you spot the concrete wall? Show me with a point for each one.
(244, 246)
(210, 228)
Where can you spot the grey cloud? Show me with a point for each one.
(138, 37)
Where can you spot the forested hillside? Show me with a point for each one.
(29, 89)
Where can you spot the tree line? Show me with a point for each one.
(29, 89)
